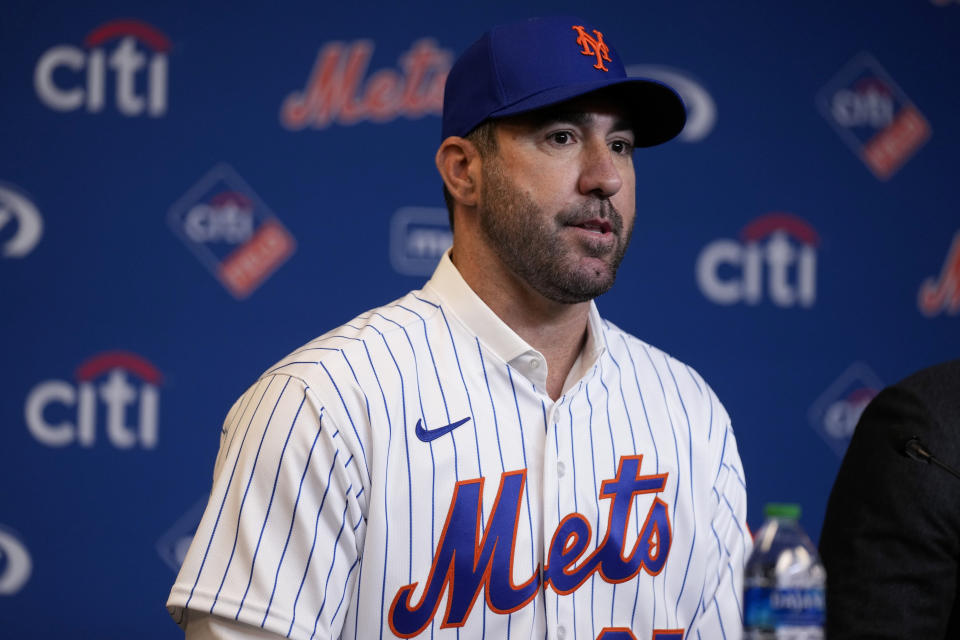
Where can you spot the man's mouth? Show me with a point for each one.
(596, 225)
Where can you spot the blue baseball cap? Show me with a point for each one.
(519, 67)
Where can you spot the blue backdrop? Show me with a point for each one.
(188, 192)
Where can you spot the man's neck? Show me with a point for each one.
(556, 330)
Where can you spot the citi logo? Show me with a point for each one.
(15, 563)
(337, 91)
(68, 78)
(18, 213)
(834, 415)
(105, 397)
(775, 259)
(227, 218)
(868, 104)
(842, 415)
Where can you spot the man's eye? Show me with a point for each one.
(560, 137)
(620, 146)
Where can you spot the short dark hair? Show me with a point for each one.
(484, 138)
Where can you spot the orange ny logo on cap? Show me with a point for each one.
(593, 47)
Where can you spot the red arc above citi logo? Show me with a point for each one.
(942, 295)
(68, 78)
(338, 93)
(775, 259)
(106, 394)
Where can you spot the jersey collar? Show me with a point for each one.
(457, 296)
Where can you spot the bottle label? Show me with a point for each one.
(766, 608)
(798, 607)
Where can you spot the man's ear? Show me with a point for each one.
(459, 164)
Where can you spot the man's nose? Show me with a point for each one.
(599, 175)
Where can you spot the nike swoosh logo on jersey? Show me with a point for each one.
(429, 435)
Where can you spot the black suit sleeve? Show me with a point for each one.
(891, 533)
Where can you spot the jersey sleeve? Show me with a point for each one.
(279, 543)
(721, 607)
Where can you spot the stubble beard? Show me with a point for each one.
(532, 245)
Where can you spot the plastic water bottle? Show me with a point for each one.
(784, 581)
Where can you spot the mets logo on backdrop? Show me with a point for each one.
(775, 259)
(116, 392)
(21, 225)
(838, 409)
(873, 116)
(593, 46)
(942, 294)
(127, 57)
(231, 231)
(15, 563)
(338, 90)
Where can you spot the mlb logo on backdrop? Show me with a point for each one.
(231, 231)
(873, 116)
(419, 236)
(835, 414)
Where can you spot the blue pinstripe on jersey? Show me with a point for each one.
(313, 544)
(293, 518)
(406, 445)
(596, 537)
(273, 492)
(346, 410)
(336, 547)
(386, 488)
(246, 490)
(693, 505)
(526, 487)
(576, 504)
(466, 391)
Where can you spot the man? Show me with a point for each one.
(891, 535)
(486, 457)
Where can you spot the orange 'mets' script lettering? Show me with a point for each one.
(593, 47)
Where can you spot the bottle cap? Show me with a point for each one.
(784, 510)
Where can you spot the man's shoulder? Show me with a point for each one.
(362, 339)
(621, 341)
(934, 391)
(653, 362)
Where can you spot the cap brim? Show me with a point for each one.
(657, 112)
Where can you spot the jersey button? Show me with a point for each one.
(561, 633)
(534, 363)
(561, 469)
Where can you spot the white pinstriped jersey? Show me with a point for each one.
(407, 475)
